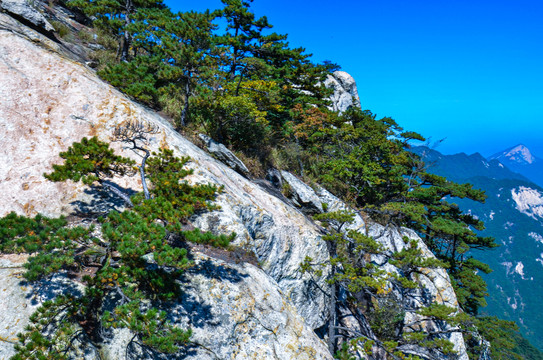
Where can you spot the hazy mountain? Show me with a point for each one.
(513, 214)
(461, 166)
(521, 160)
(516, 155)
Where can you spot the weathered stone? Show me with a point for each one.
(19, 299)
(274, 177)
(23, 9)
(345, 93)
(236, 311)
(221, 153)
(301, 194)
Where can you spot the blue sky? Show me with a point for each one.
(467, 71)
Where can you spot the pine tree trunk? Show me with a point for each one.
(333, 300)
(127, 38)
(142, 174)
(183, 121)
(333, 318)
(119, 193)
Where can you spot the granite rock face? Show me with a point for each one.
(345, 92)
(19, 299)
(301, 194)
(24, 10)
(236, 311)
(221, 153)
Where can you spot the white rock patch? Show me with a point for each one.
(528, 201)
(537, 237)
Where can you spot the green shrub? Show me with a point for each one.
(61, 29)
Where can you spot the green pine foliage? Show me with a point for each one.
(117, 18)
(136, 78)
(93, 161)
(89, 161)
(135, 255)
(54, 244)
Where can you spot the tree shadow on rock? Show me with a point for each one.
(190, 307)
(223, 272)
(136, 350)
(100, 201)
(49, 288)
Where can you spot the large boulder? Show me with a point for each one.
(302, 195)
(345, 93)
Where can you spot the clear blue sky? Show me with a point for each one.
(470, 71)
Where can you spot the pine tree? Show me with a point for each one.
(253, 52)
(367, 161)
(116, 17)
(90, 161)
(129, 242)
(186, 48)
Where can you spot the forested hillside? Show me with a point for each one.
(226, 74)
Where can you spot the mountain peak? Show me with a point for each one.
(519, 154)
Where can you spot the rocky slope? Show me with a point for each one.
(521, 160)
(237, 310)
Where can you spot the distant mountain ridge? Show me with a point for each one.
(513, 214)
(521, 160)
(461, 166)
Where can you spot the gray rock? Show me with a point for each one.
(345, 93)
(301, 194)
(274, 177)
(22, 8)
(19, 299)
(280, 244)
(221, 153)
(236, 311)
(95, 47)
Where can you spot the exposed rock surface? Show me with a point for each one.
(528, 201)
(235, 312)
(345, 93)
(518, 154)
(221, 153)
(18, 299)
(24, 10)
(302, 194)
